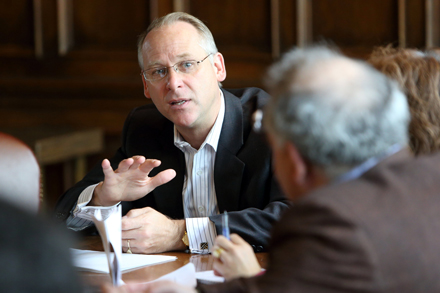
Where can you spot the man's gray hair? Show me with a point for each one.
(206, 39)
(337, 111)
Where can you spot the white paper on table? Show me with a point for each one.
(209, 277)
(110, 231)
(96, 261)
(185, 276)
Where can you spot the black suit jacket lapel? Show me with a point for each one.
(228, 170)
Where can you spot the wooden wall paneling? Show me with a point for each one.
(38, 29)
(77, 113)
(242, 31)
(181, 5)
(65, 26)
(432, 21)
(154, 9)
(163, 7)
(109, 26)
(97, 41)
(304, 22)
(242, 28)
(415, 28)
(27, 34)
(412, 30)
(288, 25)
(44, 28)
(50, 31)
(356, 26)
(95, 83)
(402, 23)
(436, 23)
(16, 28)
(429, 23)
(275, 28)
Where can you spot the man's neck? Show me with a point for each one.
(194, 137)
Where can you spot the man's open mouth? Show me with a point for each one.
(178, 103)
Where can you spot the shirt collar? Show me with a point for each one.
(214, 134)
(357, 171)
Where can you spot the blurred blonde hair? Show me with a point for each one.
(418, 74)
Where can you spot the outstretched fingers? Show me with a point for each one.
(131, 163)
(149, 165)
(137, 161)
(106, 168)
(162, 178)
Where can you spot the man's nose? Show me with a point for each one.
(174, 78)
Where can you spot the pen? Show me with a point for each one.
(225, 231)
(225, 225)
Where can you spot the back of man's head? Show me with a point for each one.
(337, 111)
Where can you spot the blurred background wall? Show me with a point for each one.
(72, 64)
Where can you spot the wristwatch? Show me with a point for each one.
(185, 239)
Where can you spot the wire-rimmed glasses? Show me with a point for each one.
(158, 73)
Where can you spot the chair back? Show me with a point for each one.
(19, 174)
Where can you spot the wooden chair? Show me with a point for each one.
(19, 174)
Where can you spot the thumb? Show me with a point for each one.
(106, 167)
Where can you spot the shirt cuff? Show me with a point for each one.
(201, 234)
(82, 216)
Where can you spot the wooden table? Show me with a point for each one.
(201, 262)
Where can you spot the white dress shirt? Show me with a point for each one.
(198, 194)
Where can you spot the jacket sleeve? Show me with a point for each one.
(313, 249)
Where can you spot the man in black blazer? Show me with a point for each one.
(187, 158)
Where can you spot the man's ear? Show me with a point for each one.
(146, 91)
(306, 176)
(219, 66)
(297, 165)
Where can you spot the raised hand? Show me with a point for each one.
(129, 182)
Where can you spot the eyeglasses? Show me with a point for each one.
(158, 73)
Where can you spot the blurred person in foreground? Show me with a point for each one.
(418, 74)
(186, 157)
(34, 253)
(366, 212)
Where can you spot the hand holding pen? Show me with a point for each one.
(234, 256)
(225, 225)
(225, 232)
